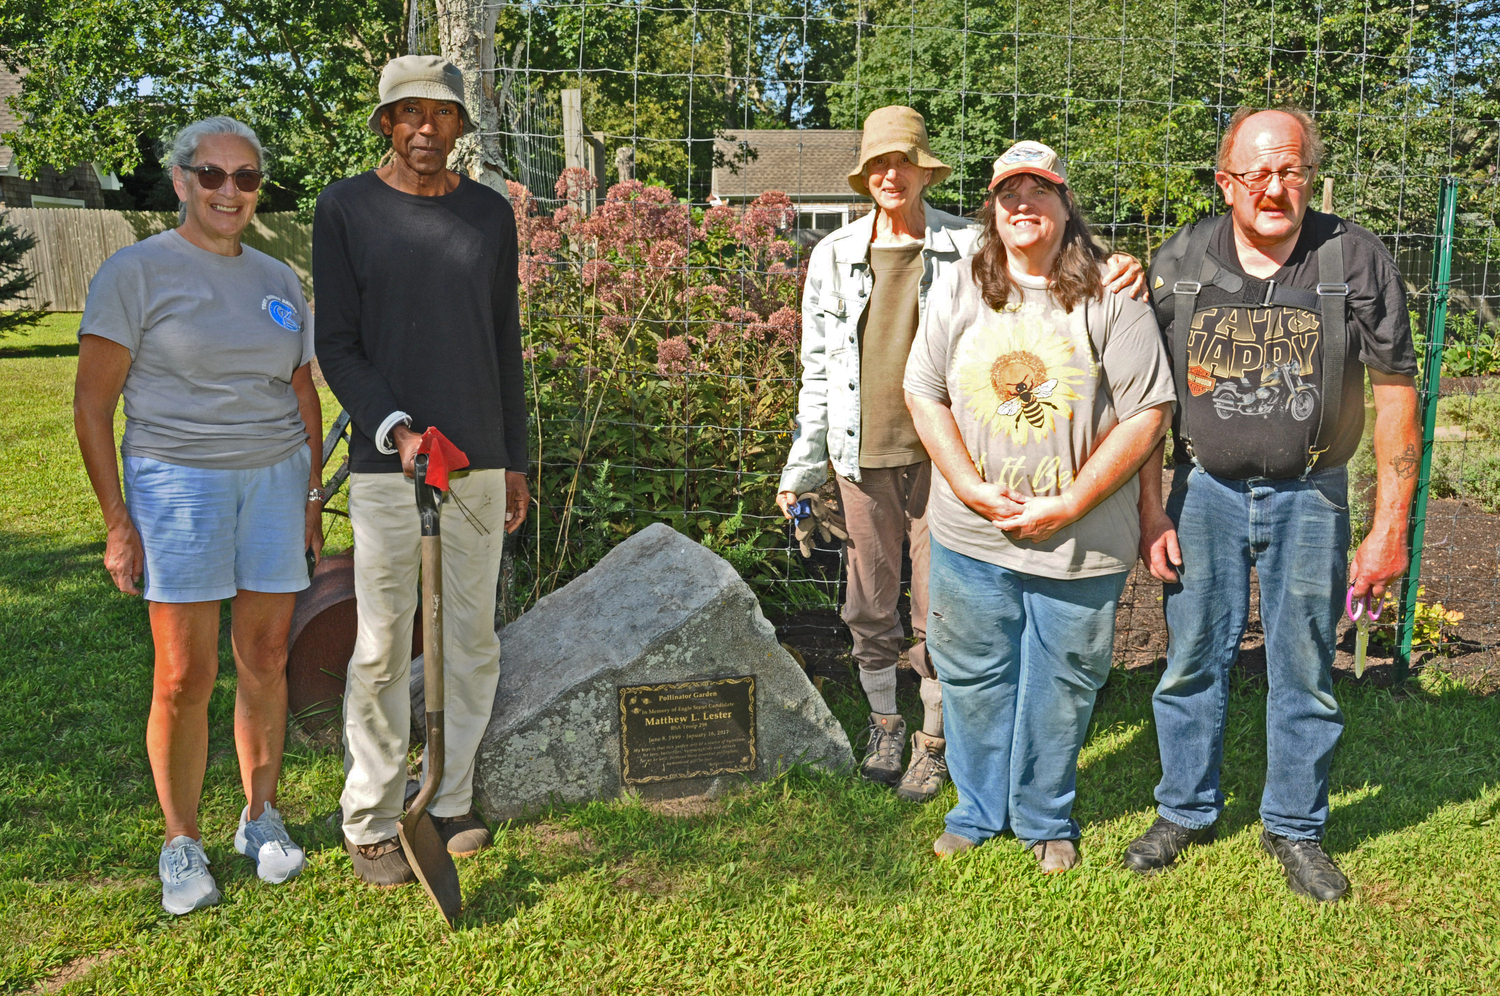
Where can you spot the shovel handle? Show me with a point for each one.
(432, 642)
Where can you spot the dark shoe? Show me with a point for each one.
(1158, 848)
(885, 740)
(1309, 871)
(382, 864)
(465, 835)
(928, 771)
(1054, 856)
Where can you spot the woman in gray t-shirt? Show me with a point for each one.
(1038, 397)
(210, 342)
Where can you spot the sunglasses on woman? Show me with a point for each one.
(212, 178)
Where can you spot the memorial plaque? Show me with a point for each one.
(687, 729)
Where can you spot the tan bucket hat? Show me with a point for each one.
(429, 76)
(896, 129)
(1029, 157)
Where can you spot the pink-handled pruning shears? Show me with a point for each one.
(1361, 615)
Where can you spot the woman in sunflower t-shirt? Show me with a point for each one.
(1038, 396)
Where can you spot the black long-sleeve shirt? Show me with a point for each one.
(417, 312)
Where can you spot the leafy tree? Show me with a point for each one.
(1136, 97)
(15, 278)
(667, 77)
(100, 73)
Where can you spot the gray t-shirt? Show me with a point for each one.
(1033, 394)
(214, 341)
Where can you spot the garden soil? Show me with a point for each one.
(1460, 570)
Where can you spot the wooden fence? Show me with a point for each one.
(72, 243)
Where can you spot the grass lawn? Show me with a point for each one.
(810, 884)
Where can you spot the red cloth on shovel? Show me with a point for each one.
(442, 457)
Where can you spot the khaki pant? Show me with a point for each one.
(887, 507)
(377, 698)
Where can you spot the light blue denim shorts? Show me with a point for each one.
(209, 533)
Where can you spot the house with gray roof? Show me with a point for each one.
(809, 165)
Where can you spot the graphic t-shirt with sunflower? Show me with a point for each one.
(1033, 393)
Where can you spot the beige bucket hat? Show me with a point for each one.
(1029, 157)
(429, 76)
(896, 129)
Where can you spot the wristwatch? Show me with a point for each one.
(315, 494)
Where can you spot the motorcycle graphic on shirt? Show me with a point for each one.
(1284, 391)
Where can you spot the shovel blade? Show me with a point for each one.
(429, 858)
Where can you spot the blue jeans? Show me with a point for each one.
(1020, 658)
(1295, 533)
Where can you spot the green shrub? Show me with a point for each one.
(661, 346)
(1470, 350)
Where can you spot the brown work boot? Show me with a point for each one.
(1054, 856)
(465, 835)
(928, 771)
(885, 741)
(382, 864)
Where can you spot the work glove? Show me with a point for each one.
(813, 516)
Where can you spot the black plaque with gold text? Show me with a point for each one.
(687, 729)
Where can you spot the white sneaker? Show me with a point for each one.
(265, 842)
(186, 884)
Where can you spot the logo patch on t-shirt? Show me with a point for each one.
(282, 312)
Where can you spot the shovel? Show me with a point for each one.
(424, 847)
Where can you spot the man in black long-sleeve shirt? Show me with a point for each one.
(419, 325)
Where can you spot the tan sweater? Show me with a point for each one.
(887, 437)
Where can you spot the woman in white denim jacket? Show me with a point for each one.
(858, 321)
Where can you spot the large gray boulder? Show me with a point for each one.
(658, 609)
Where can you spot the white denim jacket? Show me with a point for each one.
(838, 286)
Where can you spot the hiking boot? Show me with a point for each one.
(885, 739)
(465, 835)
(1157, 849)
(1309, 871)
(950, 844)
(928, 771)
(266, 842)
(186, 884)
(382, 864)
(1055, 856)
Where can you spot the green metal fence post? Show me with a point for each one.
(1432, 370)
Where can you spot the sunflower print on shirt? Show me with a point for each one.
(1018, 376)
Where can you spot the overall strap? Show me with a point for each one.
(1185, 294)
(1333, 295)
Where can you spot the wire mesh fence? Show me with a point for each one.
(661, 308)
(1453, 595)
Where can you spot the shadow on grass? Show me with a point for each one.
(805, 828)
(501, 897)
(1405, 755)
(29, 563)
(29, 352)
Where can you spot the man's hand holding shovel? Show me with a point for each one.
(517, 492)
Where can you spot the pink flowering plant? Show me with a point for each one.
(662, 346)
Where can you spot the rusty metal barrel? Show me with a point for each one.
(324, 624)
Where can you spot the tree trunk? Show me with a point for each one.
(466, 34)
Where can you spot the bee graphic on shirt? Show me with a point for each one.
(1029, 402)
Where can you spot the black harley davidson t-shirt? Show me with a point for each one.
(1255, 375)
